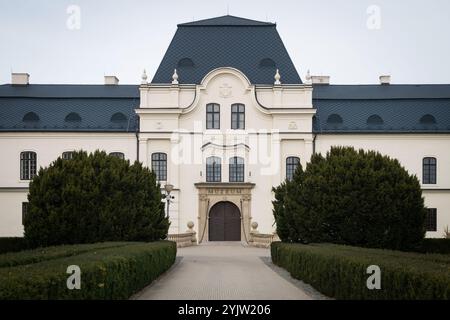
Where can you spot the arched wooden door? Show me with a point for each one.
(224, 222)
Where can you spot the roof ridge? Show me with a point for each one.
(227, 20)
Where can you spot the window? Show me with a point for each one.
(30, 117)
(238, 116)
(236, 169)
(291, 165)
(185, 63)
(67, 155)
(212, 116)
(24, 210)
(334, 119)
(119, 155)
(375, 120)
(118, 117)
(72, 117)
(267, 63)
(429, 171)
(213, 169)
(159, 166)
(28, 161)
(431, 220)
(428, 119)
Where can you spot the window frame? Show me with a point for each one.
(31, 165)
(67, 153)
(215, 116)
(240, 116)
(117, 154)
(291, 167)
(236, 169)
(213, 169)
(429, 170)
(431, 220)
(159, 165)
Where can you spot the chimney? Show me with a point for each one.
(111, 80)
(385, 80)
(320, 80)
(20, 79)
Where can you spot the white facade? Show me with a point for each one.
(278, 125)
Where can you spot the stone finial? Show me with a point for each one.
(308, 77)
(254, 226)
(175, 77)
(144, 77)
(277, 77)
(190, 225)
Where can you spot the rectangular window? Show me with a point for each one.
(213, 169)
(291, 166)
(429, 171)
(236, 169)
(159, 166)
(28, 164)
(212, 116)
(119, 155)
(24, 210)
(67, 155)
(238, 116)
(431, 220)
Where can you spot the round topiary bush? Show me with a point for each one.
(92, 198)
(352, 197)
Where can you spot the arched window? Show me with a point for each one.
(267, 63)
(334, 119)
(28, 165)
(118, 117)
(428, 119)
(72, 117)
(291, 165)
(67, 155)
(212, 116)
(119, 155)
(185, 63)
(236, 167)
(238, 116)
(213, 169)
(30, 117)
(429, 170)
(159, 166)
(375, 120)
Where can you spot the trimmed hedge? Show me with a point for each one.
(12, 244)
(12, 259)
(114, 273)
(435, 246)
(341, 271)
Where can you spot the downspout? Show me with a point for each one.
(137, 137)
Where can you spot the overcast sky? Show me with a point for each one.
(353, 41)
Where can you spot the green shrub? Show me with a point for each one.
(12, 244)
(341, 271)
(94, 198)
(49, 253)
(355, 198)
(435, 246)
(114, 273)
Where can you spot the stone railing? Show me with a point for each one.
(186, 239)
(261, 240)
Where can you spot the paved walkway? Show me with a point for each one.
(226, 271)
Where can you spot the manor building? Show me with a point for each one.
(225, 118)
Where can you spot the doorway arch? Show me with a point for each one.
(224, 222)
